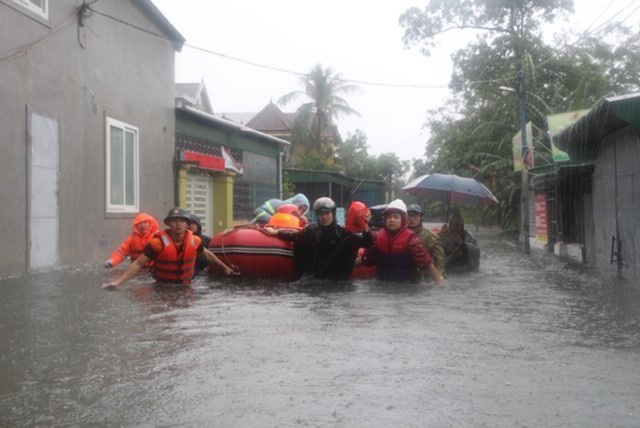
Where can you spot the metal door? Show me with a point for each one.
(43, 161)
(200, 200)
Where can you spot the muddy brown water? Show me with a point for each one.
(525, 341)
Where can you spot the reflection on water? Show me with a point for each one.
(524, 341)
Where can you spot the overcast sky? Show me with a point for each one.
(361, 39)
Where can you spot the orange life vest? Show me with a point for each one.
(173, 266)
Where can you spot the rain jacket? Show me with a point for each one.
(264, 212)
(465, 257)
(135, 243)
(326, 252)
(398, 256)
(433, 244)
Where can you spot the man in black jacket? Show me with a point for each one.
(325, 249)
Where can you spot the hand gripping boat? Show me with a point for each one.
(257, 254)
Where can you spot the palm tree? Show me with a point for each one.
(323, 87)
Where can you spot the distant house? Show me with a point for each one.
(224, 170)
(273, 121)
(194, 95)
(86, 126)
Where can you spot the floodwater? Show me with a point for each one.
(526, 341)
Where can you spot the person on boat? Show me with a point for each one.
(264, 212)
(144, 226)
(294, 211)
(174, 251)
(430, 240)
(460, 246)
(325, 250)
(196, 228)
(398, 253)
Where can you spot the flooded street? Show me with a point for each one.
(526, 341)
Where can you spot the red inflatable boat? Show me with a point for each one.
(256, 254)
(262, 256)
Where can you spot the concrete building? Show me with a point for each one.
(608, 137)
(86, 125)
(224, 170)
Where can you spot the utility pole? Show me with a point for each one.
(522, 94)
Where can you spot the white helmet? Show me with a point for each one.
(324, 203)
(396, 205)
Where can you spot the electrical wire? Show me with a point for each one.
(587, 33)
(54, 31)
(287, 71)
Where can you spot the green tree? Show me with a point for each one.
(471, 135)
(324, 89)
(352, 157)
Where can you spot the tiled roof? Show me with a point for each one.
(188, 89)
(195, 94)
(271, 118)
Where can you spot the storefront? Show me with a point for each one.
(219, 164)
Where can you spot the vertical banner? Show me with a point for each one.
(541, 217)
(518, 152)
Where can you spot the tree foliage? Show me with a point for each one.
(353, 160)
(471, 134)
(324, 89)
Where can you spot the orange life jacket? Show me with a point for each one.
(173, 266)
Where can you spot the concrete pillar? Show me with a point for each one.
(222, 202)
(182, 186)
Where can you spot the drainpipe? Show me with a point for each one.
(280, 175)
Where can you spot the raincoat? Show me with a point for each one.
(135, 243)
(264, 212)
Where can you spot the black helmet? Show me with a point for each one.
(415, 208)
(195, 219)
(324, 204)
(177, 213)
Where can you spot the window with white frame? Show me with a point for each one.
(40, 7)
(122, 167)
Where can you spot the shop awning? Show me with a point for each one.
(581, 139)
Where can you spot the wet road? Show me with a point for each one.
(523, 342)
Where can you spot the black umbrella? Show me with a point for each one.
(451, 189)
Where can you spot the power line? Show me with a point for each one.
(279, 69)
(588, 33)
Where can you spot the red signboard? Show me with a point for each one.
(214, 163)
(541, 217)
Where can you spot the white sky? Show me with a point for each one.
(361, 39)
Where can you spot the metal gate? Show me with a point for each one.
(199, 197)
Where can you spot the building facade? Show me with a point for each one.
(608, 137)
(86, 126)
(224, 170)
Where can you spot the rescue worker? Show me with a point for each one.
(430, 240)
(174, 251)
(460, 246)
(144, 226)
(398, 252)
(264, 212)
(325, 250)
(196, 227)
